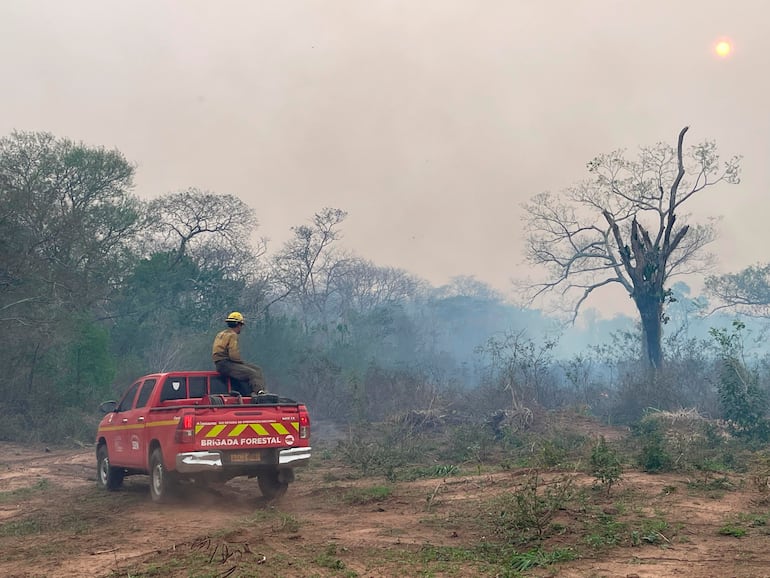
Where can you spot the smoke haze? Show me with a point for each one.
(429, 122)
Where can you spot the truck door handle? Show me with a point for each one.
(125, 420)
(140, 418)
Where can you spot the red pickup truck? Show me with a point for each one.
(194, 427)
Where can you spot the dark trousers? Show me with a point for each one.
(247, 372)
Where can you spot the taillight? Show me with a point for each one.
(185, 429)
(304, 423)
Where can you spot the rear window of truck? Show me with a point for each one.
(174, 387)
(197, 385)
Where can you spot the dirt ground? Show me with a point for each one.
(55, 522)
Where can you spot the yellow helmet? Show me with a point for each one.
(235, 317)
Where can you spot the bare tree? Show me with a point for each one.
(203, 223)
(624, 226)
(305, 268)
(363, 286)
(747, 291)
(468, 286)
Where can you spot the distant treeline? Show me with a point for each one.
(98, 287)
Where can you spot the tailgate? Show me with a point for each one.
(247, 428)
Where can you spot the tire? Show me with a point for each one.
(107, 477)
(162, 482)
(271, 486)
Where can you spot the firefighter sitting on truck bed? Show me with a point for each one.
(227, 356)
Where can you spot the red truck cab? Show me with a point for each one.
(195, 427)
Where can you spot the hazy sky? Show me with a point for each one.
(429, 121)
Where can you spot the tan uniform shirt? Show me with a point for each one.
(226, 347)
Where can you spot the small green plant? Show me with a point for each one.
(604, 530)
(605, 465)
(367, 495)
(740, 523)
(23, 493)
(287, 523)
(445, 471)
(419, 472)
(25, 527)
(278, 521)
(732, 530)
(712, 484)
(652, 531)
(521, 562)
(328, 558)
(757, 521)
(37, 523)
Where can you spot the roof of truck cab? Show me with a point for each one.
(187, 372)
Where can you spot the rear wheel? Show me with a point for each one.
(271, 484)
(107, 477)
(162, 482)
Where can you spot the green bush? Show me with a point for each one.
(744, 403)
(653, 456)
(527, 513)
(605, 464)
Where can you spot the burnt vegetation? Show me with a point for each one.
(98, 286)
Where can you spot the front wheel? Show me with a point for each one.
(107, 477)
(272, 484)
(162, 482)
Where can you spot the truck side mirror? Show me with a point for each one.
(108, 406)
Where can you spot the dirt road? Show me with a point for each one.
(54, 522)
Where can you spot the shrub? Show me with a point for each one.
(743, 402)
(527, 513)
(605, 465)
(653, 457)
